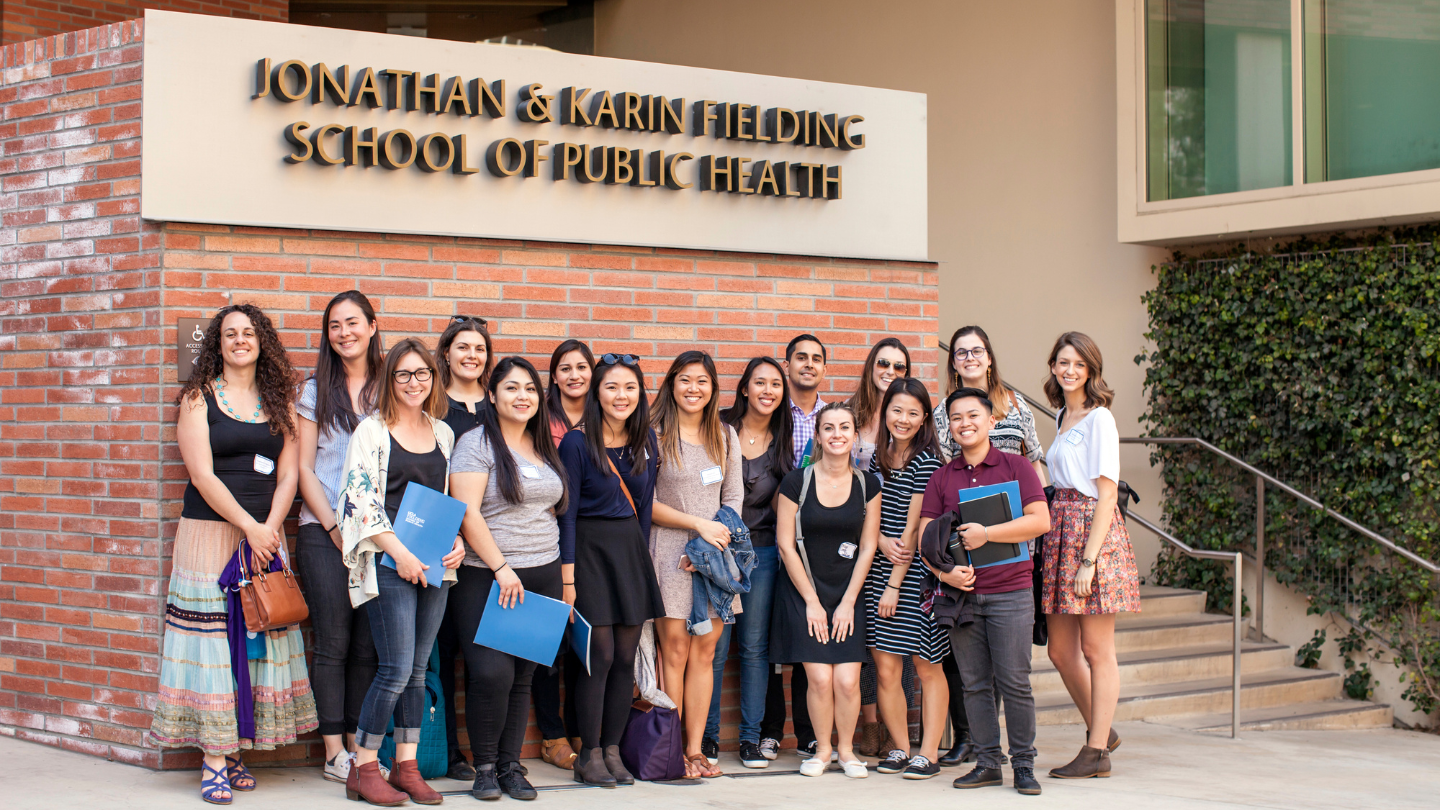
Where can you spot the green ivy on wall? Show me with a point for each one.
(1321, 366)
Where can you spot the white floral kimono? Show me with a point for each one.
(362, 502)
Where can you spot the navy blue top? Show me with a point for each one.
(596, 494)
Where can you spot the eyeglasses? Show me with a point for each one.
(420, 374)
(454, 319)
(964, 354)
(627, 359)
(883, 363)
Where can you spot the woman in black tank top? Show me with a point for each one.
(237, 434)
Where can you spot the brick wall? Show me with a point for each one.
(90, 477)
(25, 20)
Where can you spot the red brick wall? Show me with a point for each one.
(90, 478)
(32, 19)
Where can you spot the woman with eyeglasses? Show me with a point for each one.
(611, 461)
(337, 396)
(404, 442)
(464, 361)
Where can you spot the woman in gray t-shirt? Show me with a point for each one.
(508, 474)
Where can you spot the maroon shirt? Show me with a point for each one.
(942, 495)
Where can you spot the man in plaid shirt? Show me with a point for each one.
(805, 368)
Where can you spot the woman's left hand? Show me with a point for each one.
(714, 533)
(456, 555)
(1084, 581)
(888, 602)
(842, 623)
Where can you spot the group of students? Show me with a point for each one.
(591, 490)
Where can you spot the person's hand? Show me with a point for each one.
(686, 565)
(1084, 581)
(262, 541)
(337, 538)
(844, 621)
(961, 577)
(714, 533)
(410, 569)
(974, 535)
(816, 622)
(567, 595)
(895, 551)
(456, 555)
(512, 593)
(888, 602)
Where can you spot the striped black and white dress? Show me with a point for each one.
(910, 631)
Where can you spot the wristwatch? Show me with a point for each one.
(1087, 563)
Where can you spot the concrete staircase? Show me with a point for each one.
(1175, 669)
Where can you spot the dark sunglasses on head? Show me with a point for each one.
(611, 359)
(883, 363)
(469, 319)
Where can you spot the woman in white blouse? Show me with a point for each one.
(1088, 564)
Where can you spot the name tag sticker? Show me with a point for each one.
(847, 550)
(263, 465)
(1075, 436)
(529, 471)
(711, 475)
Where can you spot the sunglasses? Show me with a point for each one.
(454, 319)
(627, 359)
(883, 363)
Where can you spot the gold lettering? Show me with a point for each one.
(742, 177)
(571, 113)
(366, 88)
(703, 117)
(322, 156)
(765, 176)
(786, 178)
(298, 69)
(356, 141)
(462, 152)
(711, 171)
(830, 185)
(537, 109)
(745, 114)
(495, 159)
(848, 141)
(425, 95)
(262, 79)
(455, 94)
(490, 98)
(622, 167)
(325, 82)
(671, 164)
(638, 159)
(631, 104)
(567, 155)
(827, 134)
(775, 119)
(422, 152)
(395, 89)
(589, 173)
(532, 150)
(604, 107)
(391, 154)
(806, 177)
(672, 116)
(292, 134)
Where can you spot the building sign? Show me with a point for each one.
(266, 124)
(189, 334)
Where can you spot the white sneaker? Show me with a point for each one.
(812, 767)
(338, 769)
(855, 769)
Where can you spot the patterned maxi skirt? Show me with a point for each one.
(1116, 588)
(196, 704)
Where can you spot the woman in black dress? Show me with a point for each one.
(814, 621)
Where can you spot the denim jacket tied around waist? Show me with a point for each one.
(719, 574)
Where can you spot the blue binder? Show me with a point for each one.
(1012, 493)
(579, 638)
(427, 523)
(531, 630)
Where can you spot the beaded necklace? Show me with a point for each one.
(220, 395)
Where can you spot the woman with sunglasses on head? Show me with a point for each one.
(761, 420)
(332, 402)
(237, 437)
(464, 360)
(1089, 565)
(403, 442)
(571, 365)
(699, 473)
(611, 461)
(816, 622)
(509, 476)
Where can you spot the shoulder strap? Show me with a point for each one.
(623, 488)
(859, 476)
(806, 476)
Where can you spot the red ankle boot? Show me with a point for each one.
(406, 776)
(364, 782)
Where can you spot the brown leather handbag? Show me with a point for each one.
(271, 599)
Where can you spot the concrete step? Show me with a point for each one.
(1175, 664)
(1330, 715)
(1259, 690)
(1166, 631)
(1156, 600)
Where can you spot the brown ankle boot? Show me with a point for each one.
(406, 776)
(870, 738)
(590, 769)
(365, 782)
(1089, 762)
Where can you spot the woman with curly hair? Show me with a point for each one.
(237, 434)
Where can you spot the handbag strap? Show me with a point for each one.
(623, 488)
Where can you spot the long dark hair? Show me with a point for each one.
(458, 324)
(781, 426)
(332, 390)
(637, 425)
(553, 394)
(507, 474)
(867, 397)
(665, 417)
(274, 376)
(924, 438)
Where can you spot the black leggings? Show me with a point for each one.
(603, 697)
(497, 684)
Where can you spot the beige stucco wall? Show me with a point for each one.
(1022, 156)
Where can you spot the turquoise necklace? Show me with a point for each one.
(220, 394)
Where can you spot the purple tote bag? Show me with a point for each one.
(652, 747)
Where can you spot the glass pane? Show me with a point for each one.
(555, 24)
(1218, 96)
(1372, 74)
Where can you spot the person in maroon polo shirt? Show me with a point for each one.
(993, 650)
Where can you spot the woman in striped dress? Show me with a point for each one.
(896, 626)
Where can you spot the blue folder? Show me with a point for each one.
(427, 523)
(1012, 493)
(579, 638)
(531, 630)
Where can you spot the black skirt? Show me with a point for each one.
(614, 577)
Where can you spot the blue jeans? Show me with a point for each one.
(994, 657)
(404, 620)
(753, 625)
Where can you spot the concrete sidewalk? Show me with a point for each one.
(1157, 767)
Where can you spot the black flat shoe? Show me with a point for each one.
(1025, 783)
(980, 777)
(487, 786)
(963, 751)
(514, 784)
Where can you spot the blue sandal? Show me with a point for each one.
(235, 770)
(215, 784)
